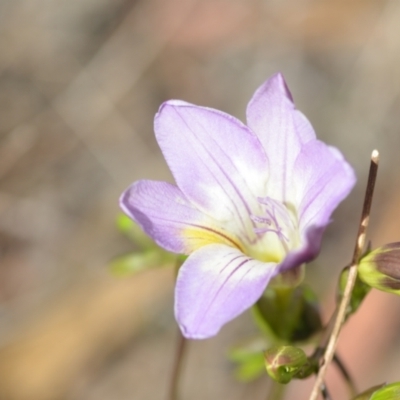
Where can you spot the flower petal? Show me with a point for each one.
(216, 160)
(165, 214)
(282, 131)
(216, 284)
(322, 179)
(311, 245)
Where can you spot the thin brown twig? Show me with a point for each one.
(177, 367)
(341, 309)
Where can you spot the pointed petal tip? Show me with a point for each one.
(278, 78)
(277, 83)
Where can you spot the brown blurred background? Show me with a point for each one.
(80, 82)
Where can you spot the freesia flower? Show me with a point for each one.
(249, 202)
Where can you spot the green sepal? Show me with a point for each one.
(288, 316)
(289, 279)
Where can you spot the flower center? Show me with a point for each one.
(278, 220)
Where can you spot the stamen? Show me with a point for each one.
(261, 220)
(266, 230)
(277, 219)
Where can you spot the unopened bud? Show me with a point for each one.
(380, 269)
(283, 363)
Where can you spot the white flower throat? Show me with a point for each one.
(278, 220)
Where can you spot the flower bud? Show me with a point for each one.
(285, 362)
(381, 268)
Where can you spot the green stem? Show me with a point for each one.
(177, 367)
(276, 391)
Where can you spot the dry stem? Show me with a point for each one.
(341, 310)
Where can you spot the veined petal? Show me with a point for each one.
(322, 179)
(282, 131)
(165, 214)
(216, 160)
(304, 129)
(216, 284)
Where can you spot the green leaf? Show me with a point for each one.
(249, 359)
(132, 263)
(250, 368)
(388, 392)
(133, 232)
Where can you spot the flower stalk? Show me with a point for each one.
(340, 313)
(177, 367)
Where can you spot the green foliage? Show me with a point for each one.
(138, 261)
(250, 364)
(388, 392)
(285, 316)
(381, 392)
(149, 255)
(133, 232)
(288, 316)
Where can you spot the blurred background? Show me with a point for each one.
(80, 82)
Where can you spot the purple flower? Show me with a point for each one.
(249, 201)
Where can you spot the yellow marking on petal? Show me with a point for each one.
(268, 249)
(267, 255)
(198, 236)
